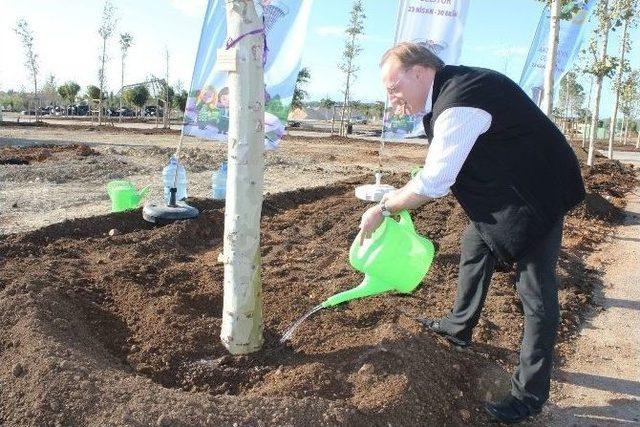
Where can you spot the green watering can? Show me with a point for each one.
(395, 258)
(124, 195)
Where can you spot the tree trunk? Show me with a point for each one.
(167, 109)
(596, 105)
(333, 119)
(344, 105)
(625, 134)
(637, 135)
(614, 115)
(547, 100)
(242, 327)
(586, 118)
(121, 89)
(104, 53)
(35, 96)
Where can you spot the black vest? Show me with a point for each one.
(521, 176)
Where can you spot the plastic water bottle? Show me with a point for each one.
(168, 177)
(219, 182)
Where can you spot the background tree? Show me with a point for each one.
(571, 97)
(180, 99)
(93, 94)
(299, 94)
(629, 98)
(626, 11)
(125, 43)
(351, 51)
(327, 103)
(137, 95)
(107, 26)
(69, 91)
(600, 66)
(50, 90)
(26, 38)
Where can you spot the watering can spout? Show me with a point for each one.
(143, 192)
(369, 286)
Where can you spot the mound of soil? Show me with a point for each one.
(90, 127)
(122, 328)
(25, 155)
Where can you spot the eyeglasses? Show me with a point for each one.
(394, 87)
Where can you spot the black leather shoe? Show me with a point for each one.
(434, 326)
(509, 410)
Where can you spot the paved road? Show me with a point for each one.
(632, 157)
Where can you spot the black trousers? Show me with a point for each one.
(537, 287)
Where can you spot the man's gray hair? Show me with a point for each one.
(410, 54)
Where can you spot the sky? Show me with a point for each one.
(497, 35)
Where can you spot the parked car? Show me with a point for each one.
(359, 120)
(78, 110)
(152, 111)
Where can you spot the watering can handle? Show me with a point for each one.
(405, 220)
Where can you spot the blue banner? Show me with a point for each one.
(207, 110)
(570, 35)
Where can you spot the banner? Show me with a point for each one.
(207, 110)
(570, 35)
(438, 25)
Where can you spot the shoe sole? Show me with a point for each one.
(453, 340)
(496, 419)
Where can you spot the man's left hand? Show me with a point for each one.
(371, 220)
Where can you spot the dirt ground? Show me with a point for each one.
(599, 384)
(123, 329)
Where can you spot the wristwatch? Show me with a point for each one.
(383, 207)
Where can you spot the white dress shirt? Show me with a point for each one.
(455, 131)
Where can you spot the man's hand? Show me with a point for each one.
(371, 220)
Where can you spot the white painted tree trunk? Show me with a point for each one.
(547, 98)
(638, 135)
(614, 115)
(596, 103)
(241, 330)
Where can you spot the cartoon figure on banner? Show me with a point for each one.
(210, 109)
(223, 107)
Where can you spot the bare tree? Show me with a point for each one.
(125, 43)
(107, 26)
(629, 97)
(601, 66)
(351, 50)
(25, 34)
(626, 12)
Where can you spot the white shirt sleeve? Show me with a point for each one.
(455, 131)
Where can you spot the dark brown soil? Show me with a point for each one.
(124, 329)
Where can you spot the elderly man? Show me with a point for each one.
(515, 175)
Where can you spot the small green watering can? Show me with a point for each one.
(124, 195)
(395, 258)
